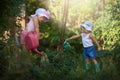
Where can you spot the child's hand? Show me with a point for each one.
(99, 48)
(67, 40)
(42, 54)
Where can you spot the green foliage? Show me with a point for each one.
(16, 59)
(9, 9)
(107, 26)
(83, 9)
(32, 5)
(50, 36)
(71, 68)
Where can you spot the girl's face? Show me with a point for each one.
(42, 18)
(84, 30)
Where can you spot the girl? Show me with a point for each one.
(30, 36)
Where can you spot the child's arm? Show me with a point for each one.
(36, 25)
(74, 37)
(96, 42)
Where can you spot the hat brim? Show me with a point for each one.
(86, 27)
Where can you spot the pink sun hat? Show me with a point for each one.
(42, 12)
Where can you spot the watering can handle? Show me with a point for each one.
(65, 41)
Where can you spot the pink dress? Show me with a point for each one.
(29, 37)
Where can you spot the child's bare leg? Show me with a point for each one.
(87, 61)
(94, 61)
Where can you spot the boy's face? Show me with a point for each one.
(85, 30)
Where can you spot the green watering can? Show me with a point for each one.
(67, 46)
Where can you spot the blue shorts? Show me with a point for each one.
(89, 53)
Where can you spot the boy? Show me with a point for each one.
(89, 50)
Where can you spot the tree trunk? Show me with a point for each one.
(64, 19)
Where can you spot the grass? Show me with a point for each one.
(28, 67)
